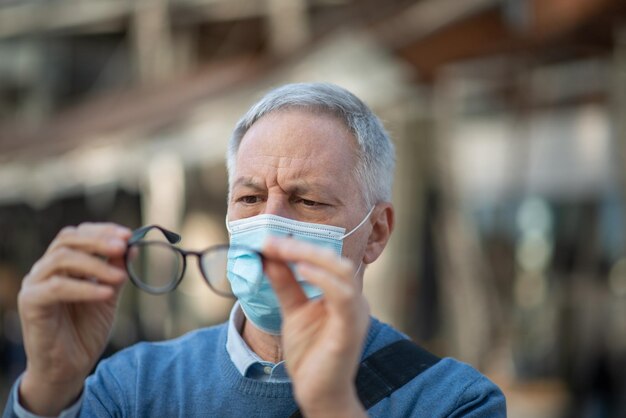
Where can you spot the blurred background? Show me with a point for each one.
(509, 118)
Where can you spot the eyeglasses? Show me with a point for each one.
(158, 267)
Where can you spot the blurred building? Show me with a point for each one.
(508, 117)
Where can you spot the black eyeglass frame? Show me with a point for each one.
(173, 238)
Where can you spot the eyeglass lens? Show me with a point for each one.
(214, 266)
(156, 265)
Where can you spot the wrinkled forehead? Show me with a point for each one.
(301, 132)
(300, 137)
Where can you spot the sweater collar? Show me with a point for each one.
(242, 356)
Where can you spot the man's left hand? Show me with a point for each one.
(322, 338)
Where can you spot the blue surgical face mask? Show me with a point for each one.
(249, 283)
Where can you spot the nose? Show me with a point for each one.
(277, 205)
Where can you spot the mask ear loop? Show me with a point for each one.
(226, 223)
(360, 224)
(356, 273)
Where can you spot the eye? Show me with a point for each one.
(249, 200)
(308, 202)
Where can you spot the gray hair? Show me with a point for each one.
(376, 156)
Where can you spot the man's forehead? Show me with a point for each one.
(302, 159)
(315, 170)
(253, 157)
(307, 150)
(295, 132)
(295, 184)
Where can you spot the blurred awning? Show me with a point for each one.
(107, 142)
(25, 17)
(431, 34)
(110, 142)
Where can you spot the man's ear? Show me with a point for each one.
(382, 225)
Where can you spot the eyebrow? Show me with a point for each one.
(304, 187)
(297, 187)
(249, 182)
(300, 186)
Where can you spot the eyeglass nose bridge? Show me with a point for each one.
(205, 274)
(184, 254)
(198, 255)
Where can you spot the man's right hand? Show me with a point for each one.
(67, 305)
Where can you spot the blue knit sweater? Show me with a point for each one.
(193, 376)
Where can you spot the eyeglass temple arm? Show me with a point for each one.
(138, 234)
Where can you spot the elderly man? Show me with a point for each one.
(309, 161)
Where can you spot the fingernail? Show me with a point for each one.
(123, 230)
(104, 290)
(117, 243)
(275, 240)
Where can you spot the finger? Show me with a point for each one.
(288, 290)
(104, 229)
(339, 294)
(75, 263)
(291, 250)
(104, 239)
(65, 289)
(118, 262)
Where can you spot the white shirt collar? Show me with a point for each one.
(239, 352)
